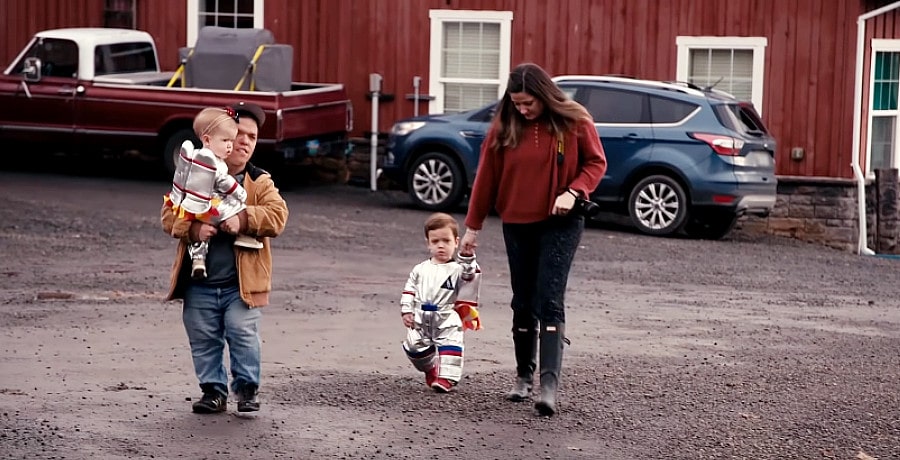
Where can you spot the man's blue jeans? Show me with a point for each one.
(214, 316)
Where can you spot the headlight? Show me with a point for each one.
(406, 127)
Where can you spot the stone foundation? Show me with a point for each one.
(824, 211)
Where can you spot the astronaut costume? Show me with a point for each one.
(442, 298)
(203, 190)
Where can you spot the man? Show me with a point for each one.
(224, 307)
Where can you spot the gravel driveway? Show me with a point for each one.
(753, 347)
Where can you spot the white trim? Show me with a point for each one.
(755, 44)
(438, 17)
(193, 13)
(880, 46)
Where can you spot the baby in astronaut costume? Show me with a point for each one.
(202, 189)
(439, 301)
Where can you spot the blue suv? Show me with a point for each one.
(679, 157)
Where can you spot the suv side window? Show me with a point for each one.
(663, 110)
(616, 106)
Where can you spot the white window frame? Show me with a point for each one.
(889, 46)
(756, 44)
(438, 18)
(193, 16)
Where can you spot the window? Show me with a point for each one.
(664, 110)
(731, 64)
(469, 58)
(236, 14)
(59, 58)
(124, 58)
(616, 107)
(884, 94)
(119, 14)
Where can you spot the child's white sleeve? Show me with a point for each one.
(408, 298)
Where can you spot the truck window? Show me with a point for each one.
(59, 58)
(124, 58)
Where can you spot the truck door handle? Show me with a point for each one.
(69, 90)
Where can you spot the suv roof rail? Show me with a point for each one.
(671, 86)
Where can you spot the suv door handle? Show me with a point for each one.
(469, 133)
(631, 137)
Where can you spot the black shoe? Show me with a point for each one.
(247, 398)
(211, 403)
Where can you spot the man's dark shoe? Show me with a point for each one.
(247, 398)
(211, 403)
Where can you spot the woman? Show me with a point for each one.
(540, 154)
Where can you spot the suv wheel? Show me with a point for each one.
(657, 205)
(712, 226)
(435, 182)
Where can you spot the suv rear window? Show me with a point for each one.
(664, 110)
(740, 118)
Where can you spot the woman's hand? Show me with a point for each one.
(408, 320)
(469, 242)
(564, 203)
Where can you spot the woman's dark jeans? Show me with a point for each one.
(540, 255)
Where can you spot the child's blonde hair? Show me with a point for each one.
(440, 220)
(211, 118)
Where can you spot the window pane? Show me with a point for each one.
(729, 70)
(210, 6)
(226, 6)
(887, 81)
(622, 107)
(883, 142)
(668, 110)
(245, 7)
(462, 97)
(471, 50)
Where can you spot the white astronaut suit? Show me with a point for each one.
(432, 293)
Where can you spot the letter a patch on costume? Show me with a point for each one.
(448, 283)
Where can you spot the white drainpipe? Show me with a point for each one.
(863, 246)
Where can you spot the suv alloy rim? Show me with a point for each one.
(657, 206)
(433, 181)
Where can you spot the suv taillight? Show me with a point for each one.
(723, 145)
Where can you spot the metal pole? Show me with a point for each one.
(417, 81)
(375, 88)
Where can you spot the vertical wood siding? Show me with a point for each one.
(809, 65)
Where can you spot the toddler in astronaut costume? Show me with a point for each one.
(202, 189)
(439, 301)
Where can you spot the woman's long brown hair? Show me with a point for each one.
(560, 112)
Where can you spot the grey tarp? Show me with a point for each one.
(221, 57)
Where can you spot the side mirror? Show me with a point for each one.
(31, 70)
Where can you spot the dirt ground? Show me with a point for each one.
(752, 347)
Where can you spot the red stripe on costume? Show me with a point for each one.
(450, 353)
(191, 192)
(232, 189)
(409, 292)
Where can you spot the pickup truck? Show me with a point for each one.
(101, 92)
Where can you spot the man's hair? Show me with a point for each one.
(210, 118)
(440, 220)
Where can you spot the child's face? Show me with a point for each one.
(442, 244)
(221, 141)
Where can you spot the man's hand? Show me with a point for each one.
(234, 224)
(408, 320)
(201, 231)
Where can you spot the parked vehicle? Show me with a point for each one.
(680, 157)
(100, 91)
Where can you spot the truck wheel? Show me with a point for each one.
(173, 145)
(657, 205)
(435, 182)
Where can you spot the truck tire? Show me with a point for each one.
(657, 205)
(435, 182)
(173, 145)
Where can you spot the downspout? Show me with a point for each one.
(862, 247)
